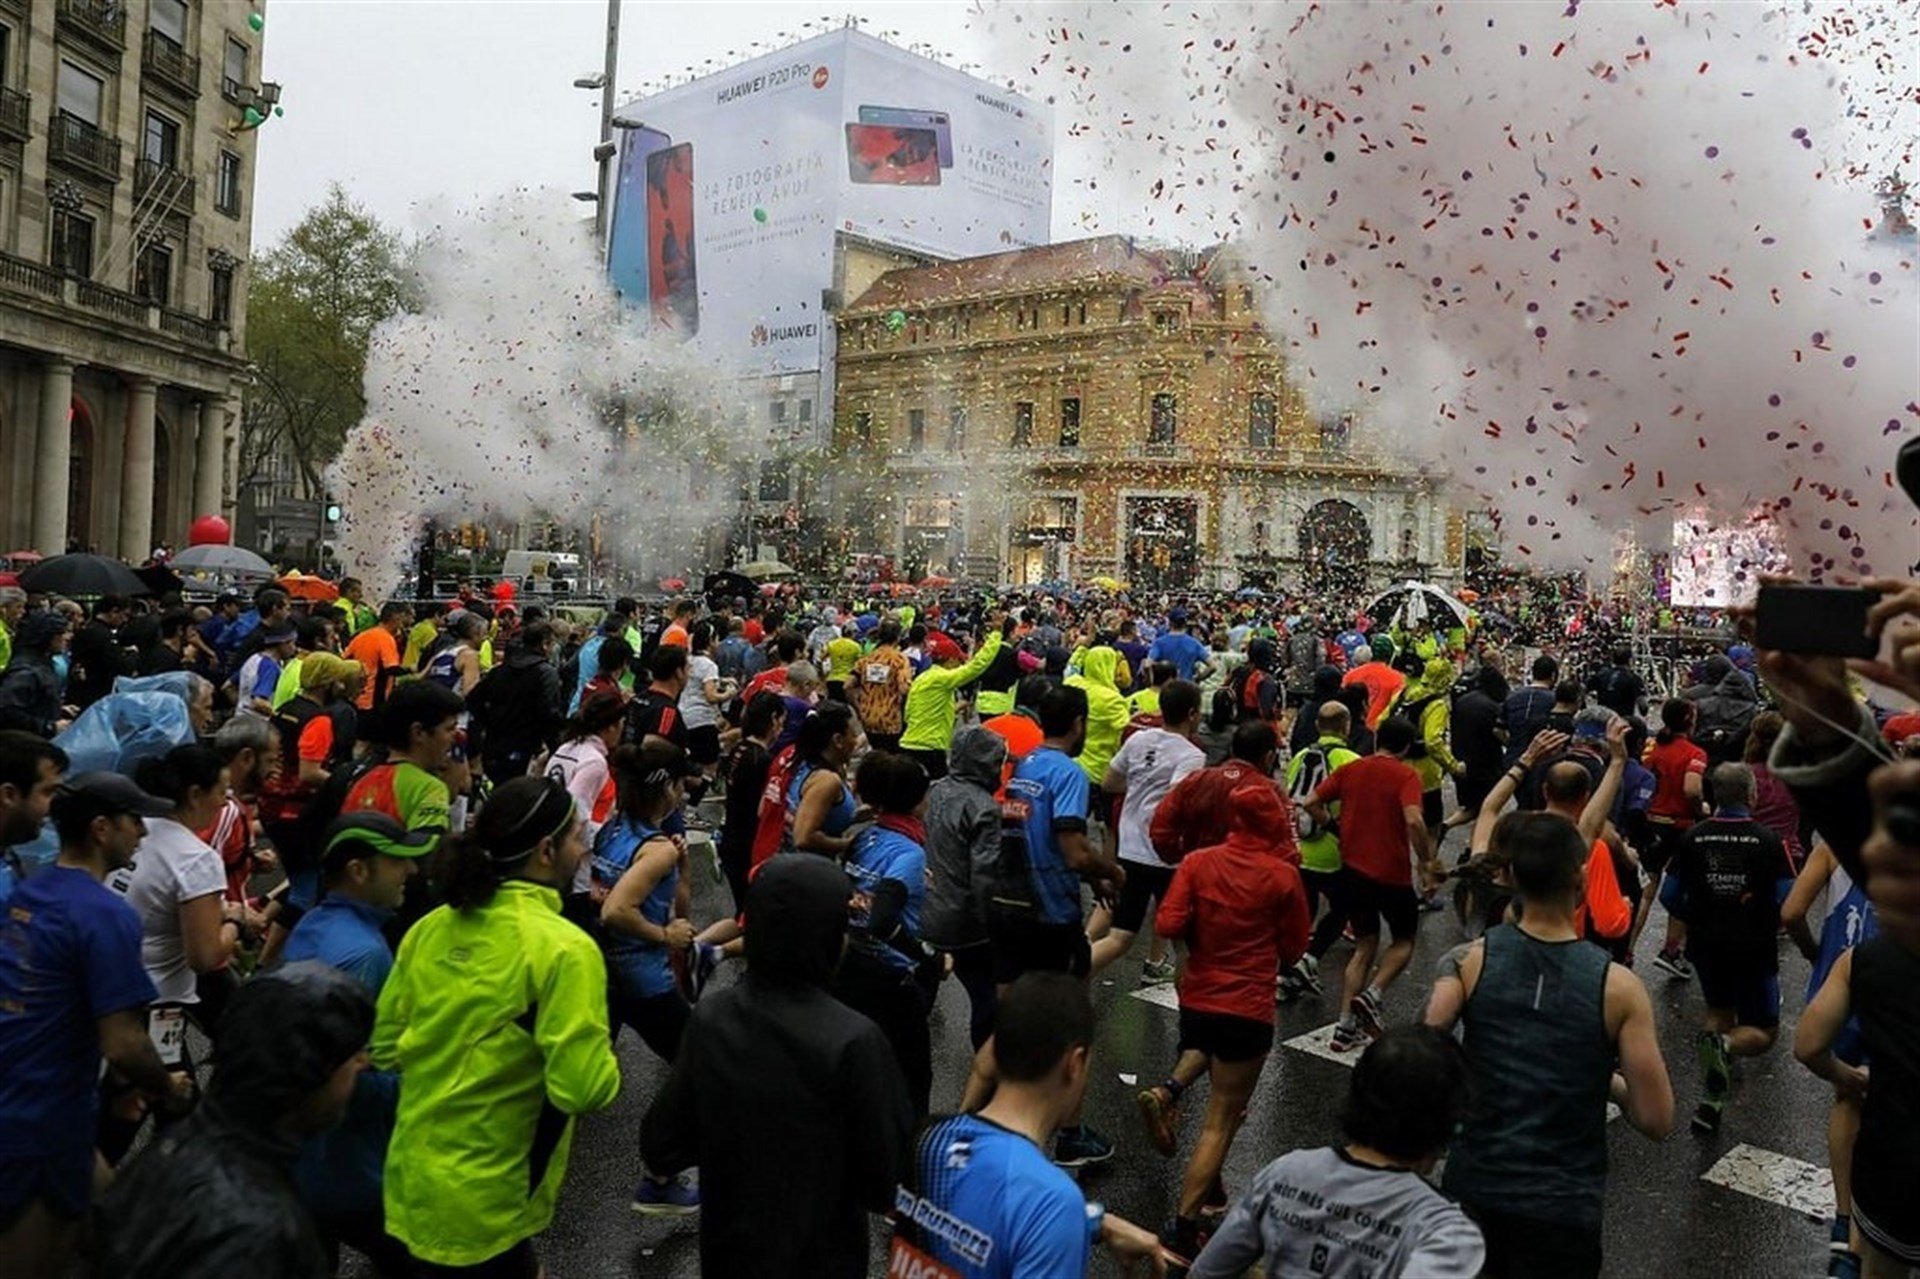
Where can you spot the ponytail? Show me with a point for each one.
(522, 814)
(1676, 717)
(182, 769)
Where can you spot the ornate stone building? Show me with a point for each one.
(126, 202)
(1093, 408)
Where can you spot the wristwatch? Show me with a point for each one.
(1096, 1219)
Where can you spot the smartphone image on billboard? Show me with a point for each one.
(672, 286)
(903, 117)
(627, 236)
(885, 155)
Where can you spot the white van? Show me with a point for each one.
(543, 572)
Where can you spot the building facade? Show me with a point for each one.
(1097, 409)
(126, 205)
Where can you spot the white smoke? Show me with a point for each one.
(491, 402)
(1605, 262)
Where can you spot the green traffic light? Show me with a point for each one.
(333, 512)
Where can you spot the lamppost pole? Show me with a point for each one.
(605, 165)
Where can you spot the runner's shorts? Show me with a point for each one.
(1368, 901)
(1224, 1037)
(1144, 884)
(1023, 946)
(1754, 996)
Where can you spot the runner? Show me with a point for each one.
(1364, 1208)
(1319, 845)
(1381, 827)
(479, 1056)
(1679, 771)
(1546, 1018)
(454, 660)
(930, 711)
(982, 1200)
(1241, 912)
(878, 688)
(963, 843)
(377, 649)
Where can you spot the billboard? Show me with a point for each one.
(729, 194)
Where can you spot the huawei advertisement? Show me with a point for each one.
(730, 192)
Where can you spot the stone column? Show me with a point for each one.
(52, 458)
(208, 486)
(136, 472)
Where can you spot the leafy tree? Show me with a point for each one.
(313, 301)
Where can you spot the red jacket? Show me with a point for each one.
(1241, 910)
(1194, 813)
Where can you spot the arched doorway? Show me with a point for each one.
(1335, 544)
(164, 528)
(80, 477)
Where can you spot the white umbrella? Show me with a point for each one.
(216, 559)
(1411, 602)
(764, 570)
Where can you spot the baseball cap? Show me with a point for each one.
(662, 761)
(941, 648)
(1176, 616)
(357, 834)
(109, 794)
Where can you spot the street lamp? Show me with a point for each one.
(603, 151)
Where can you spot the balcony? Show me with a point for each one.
(21, 278)
(78, 145)
(190, 327)
(170, 65)
(175, 189)
(18, 274)
(100, 22)
(15, 115)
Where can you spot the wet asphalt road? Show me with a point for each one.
(1662, 1220)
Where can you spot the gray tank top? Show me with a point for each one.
(1535, 1143)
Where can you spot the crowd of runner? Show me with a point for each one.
(322, 921)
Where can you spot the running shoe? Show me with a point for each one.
(1433, 901)
(1216, 1202)
(1347, 1039)
(1291, 986)
(705, 960)
(1674, 964)
(1368, 1013)
(1078, 1147)
(675, 1197)
(1309, 968)
(1706, 1117)
(1844, 1264)
(1716, 1068)
(1160, 1111)
(1152, 974)
(1182, 1241)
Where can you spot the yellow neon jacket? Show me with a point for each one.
(496, 1019)
(930, 712)
(1107, 713)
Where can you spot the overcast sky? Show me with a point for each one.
(412, 101)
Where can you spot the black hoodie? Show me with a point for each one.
(789, 1102)
(215, 1194)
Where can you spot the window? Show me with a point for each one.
(1164, 422)
(1333, 433)
(1023, 424)
(956, 429)
(1166, 321)
(1260, 416)
(863, 425)
(1246, 297)
(160, 144)
(226, 184)
(776, 411)
(1070, 422)
(6, 52)
(916, 429)
(220, 295)
(169, 20)
(773, 481)
(233, 70)
(806, 412)
(72, 250)
(153, 274)
(81, 93)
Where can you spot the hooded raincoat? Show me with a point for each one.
(1428, 703)
(930, 709)
(963, 842)
(1107, 712)
(496, 1019)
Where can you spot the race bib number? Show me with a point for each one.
(877, 673)
(904, 1261)
(167, 1027)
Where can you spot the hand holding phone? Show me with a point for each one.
(1824, 621)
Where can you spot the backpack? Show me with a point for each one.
(1312, 771)
(1246, 684)
(1011, 895)
(319, 812)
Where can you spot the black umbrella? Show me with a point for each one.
(727, 586)
(160, 579)
(88, 576)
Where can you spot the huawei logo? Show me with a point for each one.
(819, 77)
(759, 335)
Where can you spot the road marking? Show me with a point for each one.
(1161, 994)
(1779, 1179)
(1319, 1043)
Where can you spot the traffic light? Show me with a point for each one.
(330, 510)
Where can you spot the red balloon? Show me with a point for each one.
(209, 530)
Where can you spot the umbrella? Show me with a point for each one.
(1249, 593)
(764, 570)
(82, 575)
(673, 583)
(1414, 601)
(318, 590)
(935, 582)
(1106, 583)
(216, 560)
(726, 586)
(160, 579)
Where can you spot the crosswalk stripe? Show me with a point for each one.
(1779, 1179)
(1161, 995)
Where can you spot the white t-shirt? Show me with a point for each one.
(581, 766)
(694, 706)
(172, 865)
(1151, 762)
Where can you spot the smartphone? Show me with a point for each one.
(627, 249)
(901, 116)
(1828, 621)
(672, 281)
(883, 155)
